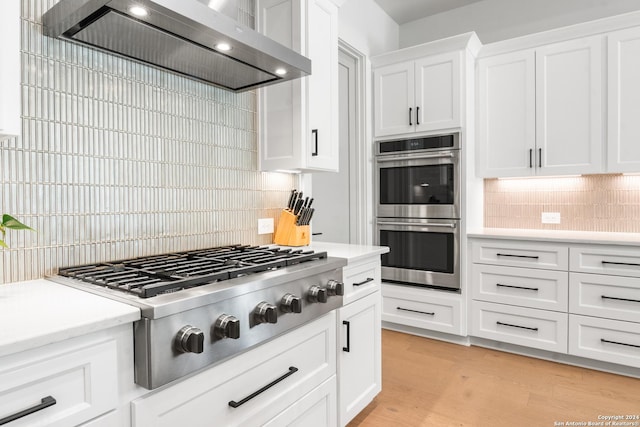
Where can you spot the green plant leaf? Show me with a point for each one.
(3, 244)
(10, 222)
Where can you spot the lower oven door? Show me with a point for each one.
(422, 252)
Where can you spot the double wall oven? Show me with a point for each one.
(418, 210)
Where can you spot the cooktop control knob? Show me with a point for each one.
(291, 304)
(335, 288)
(317, 294)
(190, 340)
(265, 313)
(227, 326)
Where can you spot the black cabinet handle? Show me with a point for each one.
(348, 347)
(45, 402)
(517, 287)
(519, 256)
(416, 311)
(417, 116)
(619, 343)
(364, 282)
(234, 404)
(316, 234)
(530, 157)
(410, 111)
(516, 326)
(632, 264)
(620, 299)
(539, 157)
(314, 132)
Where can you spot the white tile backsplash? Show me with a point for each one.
(119, 159)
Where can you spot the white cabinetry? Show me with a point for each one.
(566, 109)
(418, 96)
(62, 384)
(624, 101)
(10, 123)
(298, 120)
(519, 292)
(359, 340)
(302, 360)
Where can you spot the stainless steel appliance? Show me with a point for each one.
(201, 307)
(418, 178)
(186, 37)
(423, 252)
(418, 210)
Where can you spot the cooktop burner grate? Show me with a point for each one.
(159, 274)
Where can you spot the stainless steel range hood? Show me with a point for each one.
(183, 36)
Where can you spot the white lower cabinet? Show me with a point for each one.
(605, 339)
(59, 385)
(316, 409)
(359, 362)
(243, 391)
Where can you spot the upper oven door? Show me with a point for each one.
(418, 185)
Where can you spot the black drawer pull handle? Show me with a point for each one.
(519, 256)
(516, 326)
(621, 263)
(234, 404)
(45, 402)
(314, 132)
(619, 343)
(517, 287)
(530, 157)
(620, 299)
(348, 347)
(410, 111)
(364, 282)
(539, 157)
(416, 311)
(417, 115)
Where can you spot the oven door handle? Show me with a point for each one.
(441, 155)
(421, 224)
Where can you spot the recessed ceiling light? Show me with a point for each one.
(223, 46)
(138, 11)
(281, 71)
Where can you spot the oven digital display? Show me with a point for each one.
(414, 250)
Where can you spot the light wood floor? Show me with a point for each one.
(431, 383)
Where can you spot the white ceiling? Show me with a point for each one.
(403, 11)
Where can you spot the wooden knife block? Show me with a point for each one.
(288, 233)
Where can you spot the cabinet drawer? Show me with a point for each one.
(82, 382)
(310, 349)
(615, 260)
(360, 280)
(521, 254)
(544, 289)
(422, 308)
(603, 339)
(605, 296)
(529, 327)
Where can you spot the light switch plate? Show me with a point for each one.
(265, 225)
(551, 217)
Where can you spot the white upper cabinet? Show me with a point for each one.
(10, 121)
(418, 96)
(540, 110)
(624, 101)
(298, 120)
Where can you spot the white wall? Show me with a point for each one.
(495, 20)
(366, 27)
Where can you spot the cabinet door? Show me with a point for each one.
(316, 409)
(506, 115)
(359, 362)
(322, 136)
(10, 121)
(624, 101)
(438, 92)
(569, 107)
(394, 107)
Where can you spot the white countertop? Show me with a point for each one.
(353, 253)
(40, 312)
(598, 237)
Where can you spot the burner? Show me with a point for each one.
(158, 274)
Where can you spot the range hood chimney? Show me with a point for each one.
(187, 37)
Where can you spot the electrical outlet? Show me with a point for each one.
(551, 217)
(265, 225)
